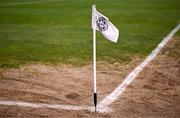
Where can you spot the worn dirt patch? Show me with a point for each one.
(154, 93)
(61, 84)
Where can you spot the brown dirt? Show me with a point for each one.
(155, 93)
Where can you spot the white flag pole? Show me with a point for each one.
(112, 34)
(94, 67)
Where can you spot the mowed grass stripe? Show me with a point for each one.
(60, 32)
(25, 2)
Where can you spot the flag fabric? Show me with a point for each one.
(102, 24)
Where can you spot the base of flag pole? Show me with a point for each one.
(95, 100)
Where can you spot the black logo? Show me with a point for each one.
(102, 24)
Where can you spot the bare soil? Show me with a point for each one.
(154, 93)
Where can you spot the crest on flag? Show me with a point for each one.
(102, 24)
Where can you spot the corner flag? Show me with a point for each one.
(101, 23)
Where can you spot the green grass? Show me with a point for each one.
(178, 33)
(60, 31)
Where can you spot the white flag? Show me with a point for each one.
(101, 23)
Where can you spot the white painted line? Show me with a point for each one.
(26, 3)
(121, 88)
(100, 108)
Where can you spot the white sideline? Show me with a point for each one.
(54, 106)
(26, 3)
(121, 88)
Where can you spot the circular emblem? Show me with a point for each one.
(102, 24)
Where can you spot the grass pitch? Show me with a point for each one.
(59, 31)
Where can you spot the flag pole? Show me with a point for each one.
(94, 68)
(112, 35)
